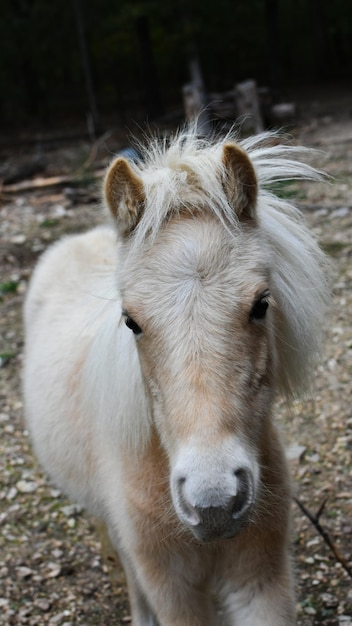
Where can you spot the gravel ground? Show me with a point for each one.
(51, 569)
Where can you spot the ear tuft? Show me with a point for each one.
(124, 194)
(240, 181)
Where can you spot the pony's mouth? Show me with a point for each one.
(218, 523)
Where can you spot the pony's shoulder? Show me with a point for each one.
(88, 258)
(96, 246)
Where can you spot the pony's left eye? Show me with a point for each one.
(130, 323)
(260, 306)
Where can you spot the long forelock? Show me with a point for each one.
(182, 175)
(185, 173)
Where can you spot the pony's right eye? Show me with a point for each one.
(260, 306)
(130, 323)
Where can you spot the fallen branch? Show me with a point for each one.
(52, 181)
(314, 519)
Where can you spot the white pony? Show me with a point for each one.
(154, 351)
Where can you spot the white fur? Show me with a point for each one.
(118, 423)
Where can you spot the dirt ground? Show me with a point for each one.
(51, 571)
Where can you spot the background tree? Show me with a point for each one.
(139, 52)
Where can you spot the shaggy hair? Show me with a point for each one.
(186, 173)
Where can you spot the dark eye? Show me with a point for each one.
(260, 306)
(130, 323)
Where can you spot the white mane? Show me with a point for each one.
(185, 173)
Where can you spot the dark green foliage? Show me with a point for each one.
(9, 287)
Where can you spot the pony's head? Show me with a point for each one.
(213, 326)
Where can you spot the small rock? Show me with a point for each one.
(11, 494)
(329, 600)
(71, 510)
(22, 287)
(37, 579)
(38, 247)
(24, 612)
(57, 619)
(340, 212)
(58, 211)
(321, 212)
(295, 452)
(18, 239)
(313, 542)
(54, 570)
(24, 572)
(42, 604)
(57, 553)
(26, 486)
(309, 610)
(55, 493)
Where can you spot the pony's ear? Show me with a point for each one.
(124, 194)
(240, 181)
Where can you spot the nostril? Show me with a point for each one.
(189, 512)
(243, 496)
(242, 477)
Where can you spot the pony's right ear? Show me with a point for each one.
(124, 194)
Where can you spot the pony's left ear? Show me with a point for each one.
(240, 181)
(124, 194)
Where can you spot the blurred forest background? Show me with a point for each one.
(113, 61)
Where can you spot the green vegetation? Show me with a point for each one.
(5, 357)
(333, 248)
(9, 286)
(288, 190)
(49, 223)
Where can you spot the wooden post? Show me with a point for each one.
(194, 98)
(248, 109)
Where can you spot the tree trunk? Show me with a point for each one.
(151, 89)
(94, 124)
(321, 48)
(274, 53)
